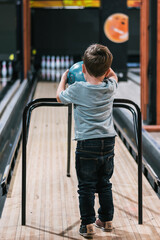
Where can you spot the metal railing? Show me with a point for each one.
(40, 102)
(52, 102)
(137, 122)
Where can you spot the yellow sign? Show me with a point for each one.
(64, 3)
(11, 57)
(34, 51)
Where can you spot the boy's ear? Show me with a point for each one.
(83, 68)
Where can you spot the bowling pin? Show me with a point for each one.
(43, 63)
(43, 73)
(53, 62)
(48, 73)
(53, 74)
(62, 61)
(62, 71)
(67, 62)
(57, 62)
(48, 64)
(4, 82)
(10, 69)
(71, 61)
(58, 75)
(4, 69)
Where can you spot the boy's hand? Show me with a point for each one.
(111, 73)
(62, 84)
(64, 76)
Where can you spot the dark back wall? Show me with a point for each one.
(8, 29)
(64, 32)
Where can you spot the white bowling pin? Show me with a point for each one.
(58, 75)
(67, 62)
(57, 62)
(43, 73)
(4, 82)
(53, 74)
(43, 63)
(48, 73)
(4, 69)
(48, 64)
(71, 61)
(62, 61)
(53, 62)
(62, 71)
(10, 69)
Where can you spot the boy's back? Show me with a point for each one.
(92, 108)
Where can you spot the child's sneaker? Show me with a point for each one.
(87, 230)
(105, 226)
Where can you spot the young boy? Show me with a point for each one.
(95, 135)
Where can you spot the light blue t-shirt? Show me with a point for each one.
(92, 108)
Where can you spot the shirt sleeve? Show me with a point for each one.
(113, 85)
(69, 95)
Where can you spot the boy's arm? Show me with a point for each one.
(62, 84)
(112, 74)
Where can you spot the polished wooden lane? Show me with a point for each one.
(52, 201)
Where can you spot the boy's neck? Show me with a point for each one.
(94, 80)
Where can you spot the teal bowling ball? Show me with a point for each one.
(75, 73)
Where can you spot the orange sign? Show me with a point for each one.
(133, 3)
(116, 28)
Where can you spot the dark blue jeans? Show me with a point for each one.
(94, 167)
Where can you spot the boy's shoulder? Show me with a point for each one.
(78, 84)
(105, 84)
(111, 79)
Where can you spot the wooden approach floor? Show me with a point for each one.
(52, 200)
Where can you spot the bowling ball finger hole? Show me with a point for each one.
(72, 78)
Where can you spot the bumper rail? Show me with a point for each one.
(52, 102)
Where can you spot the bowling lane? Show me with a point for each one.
(3, 82)
(52, 201)
(129, 90)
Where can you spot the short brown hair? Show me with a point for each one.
(97, 59)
